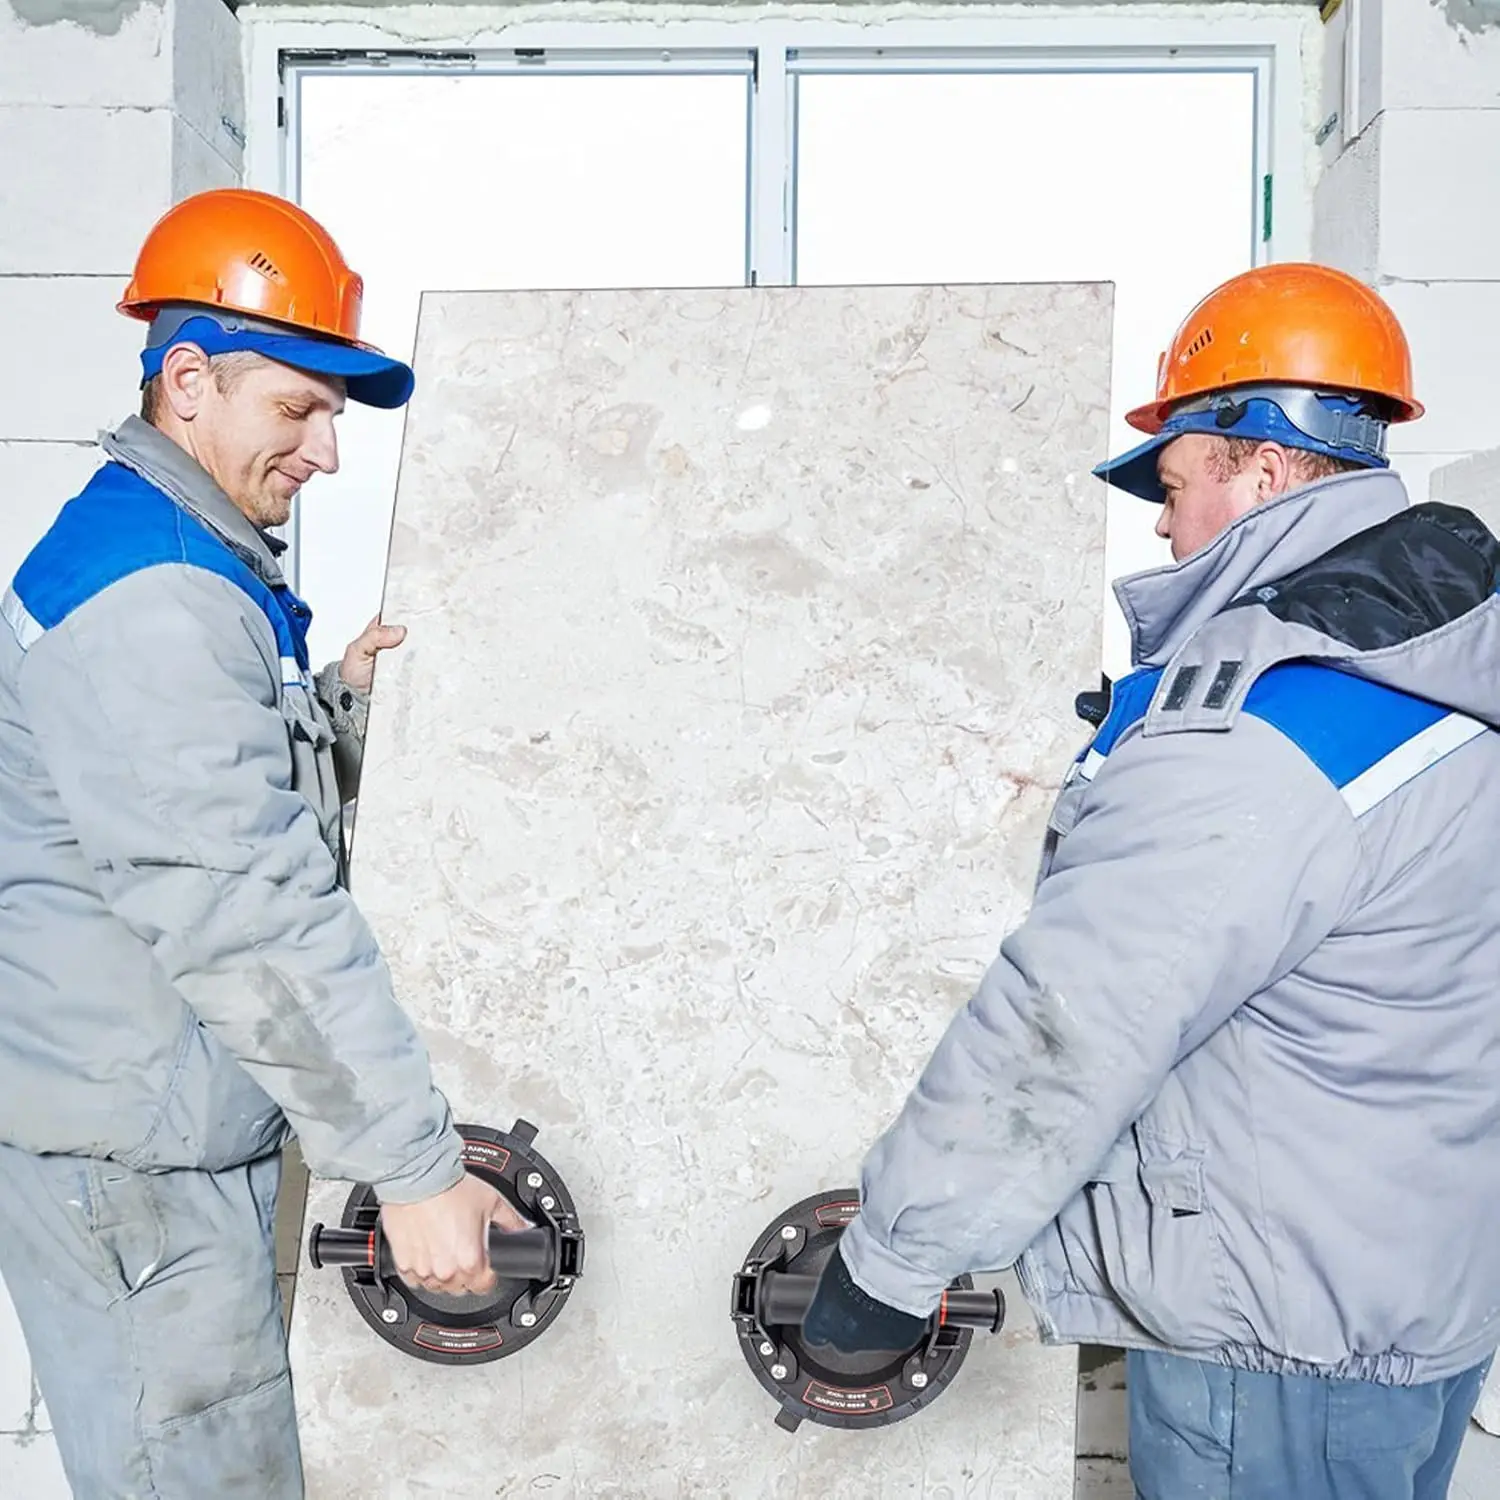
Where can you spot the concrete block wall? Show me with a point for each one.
(110, 111)
(1473, 483)
(1406, 201)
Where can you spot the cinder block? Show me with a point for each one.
(1103, 1413)
(1454, 331)
(196, 166)
(1474, 483)
(35, 480)
(208, 83)
(54, 52)
(1437, 54)
(1346, 208)
(94, 181)
(73, 363)
(182, 55)
(1418, 471)
(1439, 214)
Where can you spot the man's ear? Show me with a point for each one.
(185, 378)
(1273, 472)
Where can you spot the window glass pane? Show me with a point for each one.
(1143, 179)
(483, 182)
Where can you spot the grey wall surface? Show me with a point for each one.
(745, 630)
(109, 114)
(1410, 96)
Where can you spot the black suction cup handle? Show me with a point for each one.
(525, 1255)
(785, 1299)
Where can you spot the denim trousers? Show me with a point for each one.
(1205, 1432)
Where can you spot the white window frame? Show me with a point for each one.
(293, 67)
(283, 48)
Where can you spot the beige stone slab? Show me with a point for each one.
(745, 631)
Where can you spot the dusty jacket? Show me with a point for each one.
(182, 972)
(1233, 1087)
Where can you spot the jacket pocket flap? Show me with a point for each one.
(1172, 1177)
(304, 718)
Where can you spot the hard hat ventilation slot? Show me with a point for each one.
(266, 266)
(1199, 344)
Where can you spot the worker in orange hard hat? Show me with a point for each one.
(1227, 1097)
(234, 270)
(187, 981)
(1302, 357)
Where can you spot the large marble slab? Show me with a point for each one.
(745, 628)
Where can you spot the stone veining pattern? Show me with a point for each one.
(745, 628)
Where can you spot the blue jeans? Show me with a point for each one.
(150, 1306)
(1203, 1431)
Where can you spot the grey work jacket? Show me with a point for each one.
(183, 973)
(1232, 1089)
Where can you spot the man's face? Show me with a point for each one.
(264, 432)
(1205, 494)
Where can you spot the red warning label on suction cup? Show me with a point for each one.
(458, 1340)
(837, 1215)
(484, 1154)
(861, 1403)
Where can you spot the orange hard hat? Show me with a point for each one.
(247, 252)
(1286, 324)
(235, 269)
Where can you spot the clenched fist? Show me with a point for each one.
(442, 1243)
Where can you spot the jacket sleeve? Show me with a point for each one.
(348, 711)
(155, 709)
(1202, 867)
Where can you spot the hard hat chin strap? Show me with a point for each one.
(1349, 427)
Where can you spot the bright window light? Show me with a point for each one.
(568, 179)
(497, 181)
(1142, 179)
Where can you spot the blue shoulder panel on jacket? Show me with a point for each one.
(1129, 698)
(1368, 740)
(1343, 724)
(121, 524)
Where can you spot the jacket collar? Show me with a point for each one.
(1164, 607)
(144, 450)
